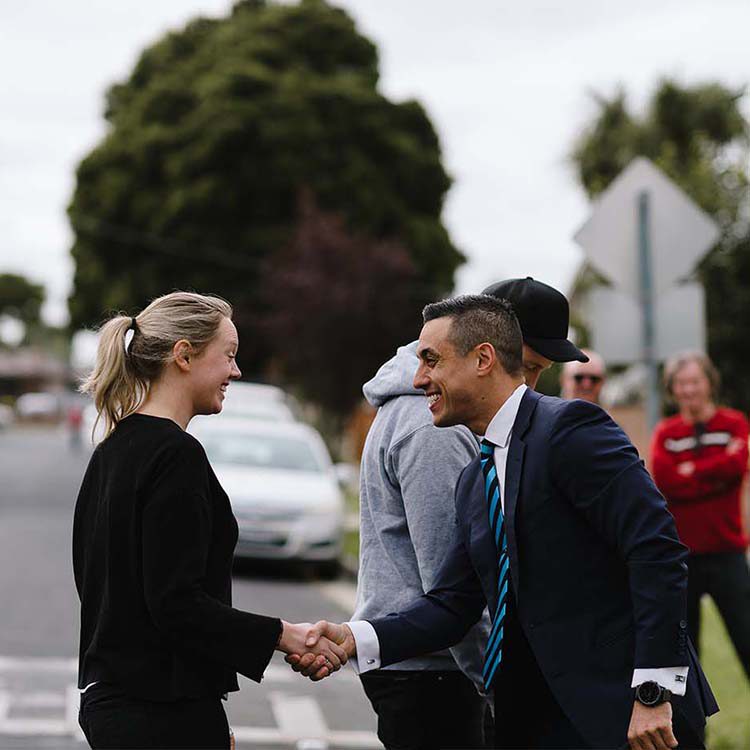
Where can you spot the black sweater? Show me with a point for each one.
(153, 540)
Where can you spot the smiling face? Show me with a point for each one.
(449, 380)
(212, 370)
(691, 388)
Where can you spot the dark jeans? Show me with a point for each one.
(424, 710)
(111, 720)
(726, 578)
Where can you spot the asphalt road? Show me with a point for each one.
(39, 479)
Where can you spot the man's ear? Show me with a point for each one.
(182, 353)
(486, 358)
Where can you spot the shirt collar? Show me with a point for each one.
(501, 425)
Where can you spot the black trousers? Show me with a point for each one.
(725, 576)
(426, 710)
(113, 721)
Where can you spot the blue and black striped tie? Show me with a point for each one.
(494, 652)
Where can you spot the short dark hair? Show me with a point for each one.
(478, 319)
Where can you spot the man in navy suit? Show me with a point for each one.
(562, 533)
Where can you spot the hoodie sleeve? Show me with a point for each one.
(426, 464)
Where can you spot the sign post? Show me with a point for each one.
(653, 394)
(645, 236)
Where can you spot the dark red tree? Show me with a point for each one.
(339, 304)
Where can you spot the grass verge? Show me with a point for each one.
(730, 728)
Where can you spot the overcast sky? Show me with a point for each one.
(507, 85)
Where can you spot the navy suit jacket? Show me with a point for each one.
(597, 569)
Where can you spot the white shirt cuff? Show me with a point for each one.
(368, 646)
(671, 678)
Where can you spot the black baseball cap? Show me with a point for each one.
(544, 316)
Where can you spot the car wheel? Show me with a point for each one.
(329, 570)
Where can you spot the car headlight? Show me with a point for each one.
(321, 523)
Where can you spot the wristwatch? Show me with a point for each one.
(652, 694)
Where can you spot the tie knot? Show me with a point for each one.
(488, 447)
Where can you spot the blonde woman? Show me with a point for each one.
(153, 540)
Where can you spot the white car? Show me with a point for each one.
(283, 488)
(256, 401)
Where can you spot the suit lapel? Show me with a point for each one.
(513, 471)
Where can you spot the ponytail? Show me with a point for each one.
(114, 383)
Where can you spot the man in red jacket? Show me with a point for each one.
(699, 461)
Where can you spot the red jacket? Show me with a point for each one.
(706, 504)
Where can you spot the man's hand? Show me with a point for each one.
(340, 635)
(651, 727)
(322, 656)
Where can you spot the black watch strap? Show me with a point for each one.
(652, 694)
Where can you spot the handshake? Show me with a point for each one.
(316, 651)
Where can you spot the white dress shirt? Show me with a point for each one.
(499, 431)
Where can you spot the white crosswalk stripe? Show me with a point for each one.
(298, 717)
(36, 664)
(342, 739)
(40, 699)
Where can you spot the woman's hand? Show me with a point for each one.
(316, 657)
(321, 632)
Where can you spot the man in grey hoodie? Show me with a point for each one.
(409, 471)
(408, 474)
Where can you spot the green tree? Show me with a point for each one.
(21, 299)
(220, 130)
(699, 137)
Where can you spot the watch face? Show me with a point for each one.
(648, 693)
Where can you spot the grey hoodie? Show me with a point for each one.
(407, 514)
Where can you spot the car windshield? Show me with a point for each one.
(261, 451)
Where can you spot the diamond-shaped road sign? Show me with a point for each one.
(615, 323)
(681, 233)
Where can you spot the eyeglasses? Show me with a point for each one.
(580, 377)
